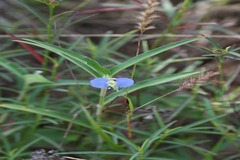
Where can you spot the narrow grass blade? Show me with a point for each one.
(159, 119)
(35, 78)
(213, 43)
(90, 65)
(95, 152)
(155, 135)
(190, 146)
(114, 70)
(12, 67)
(181, 129)
(234, 53)
(23, 148)
(45, 112)
(134, 156)
(34, 12)
(135, 147)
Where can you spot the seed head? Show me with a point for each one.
(147, 15)
(202, 78)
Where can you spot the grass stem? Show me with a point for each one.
(49, 29)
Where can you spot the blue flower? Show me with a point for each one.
(114, 83)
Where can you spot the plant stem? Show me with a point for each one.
(156, 99)
(49, 28)
(129, 115)
(54, 69)
(100, 105)
(137, 53)
(221, 77)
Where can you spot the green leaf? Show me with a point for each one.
(148, 83)
(61, 83)
(130, 105)
(114, 70)
(234, 53)
(45, 112)
(12, 67)
(213, 43)
(95, 152)
(89, 65)
(155, 135)
(183, 129)
(135, 147)
(23, 148)
(35, 78)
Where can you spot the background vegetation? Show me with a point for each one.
(182, 55)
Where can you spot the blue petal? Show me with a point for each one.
(99, 83)
(124, 82)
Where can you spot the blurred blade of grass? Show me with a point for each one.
(213, 43)
(103, 43)
(219, 125)
(89, 65)
(45, 112)
(158, 158)
(99, 130)
(19, 123)
(12, 130)
(6, 145)
(191, 67)
(189, 59)
(118, 42)
(67, 23)
(34, 12)
(234, 53)
(180, 108)
(5, 46)
(16, 154)
(216, 148)
(96, 152)
(145, 133)
(127, 141)
(35, 78)
(159, 118)
(76, 42)
(162, 64)
(118, 54)
(48, 140)
(148, 54)
(71, 47)
(134, 156)
(61, 83)
(233, 157)
(148, 83)
(191, 146)
(190, 126)
(173, 22)
(92, 47)
(81, 5)
(156, 136)
(13, 68)
(74, 22)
